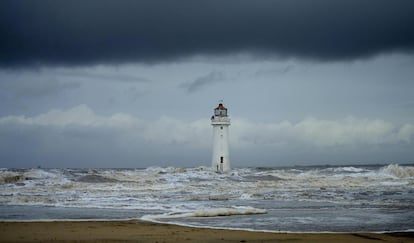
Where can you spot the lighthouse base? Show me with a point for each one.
(221, 164)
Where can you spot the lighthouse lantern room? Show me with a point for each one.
(220, 122)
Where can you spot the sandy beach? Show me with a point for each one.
(140, 231)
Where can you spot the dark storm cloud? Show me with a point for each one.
(105, 76)
(58, 32)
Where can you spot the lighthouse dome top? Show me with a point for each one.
(220, 110)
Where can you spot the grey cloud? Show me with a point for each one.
(323, 133)
(134, 93)
(80, 137)
(103, 76)
(274, 71)
(59, 32)
(203, 81)
(408, 107)
(36, 87)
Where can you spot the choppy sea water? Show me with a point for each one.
(371, 198)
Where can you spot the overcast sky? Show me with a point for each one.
(99, 83)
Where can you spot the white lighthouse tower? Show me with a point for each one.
(220, 122)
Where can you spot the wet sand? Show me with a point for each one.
(141, 231)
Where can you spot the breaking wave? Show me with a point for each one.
(399, 171)
(259, 198)
(11, 178)
(159, 188)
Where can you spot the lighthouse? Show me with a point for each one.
(220, 122)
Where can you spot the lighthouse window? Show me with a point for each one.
(221, 127)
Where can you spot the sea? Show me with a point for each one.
(326, 198)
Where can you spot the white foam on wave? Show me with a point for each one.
(157, 186)
(211, 212)
(349, 169)
(186, 195)
(43, 174)
(399, 171)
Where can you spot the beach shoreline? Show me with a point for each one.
(145, 231)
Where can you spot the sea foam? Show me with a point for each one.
(399, 171)
(256, 197)
(211, 212)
